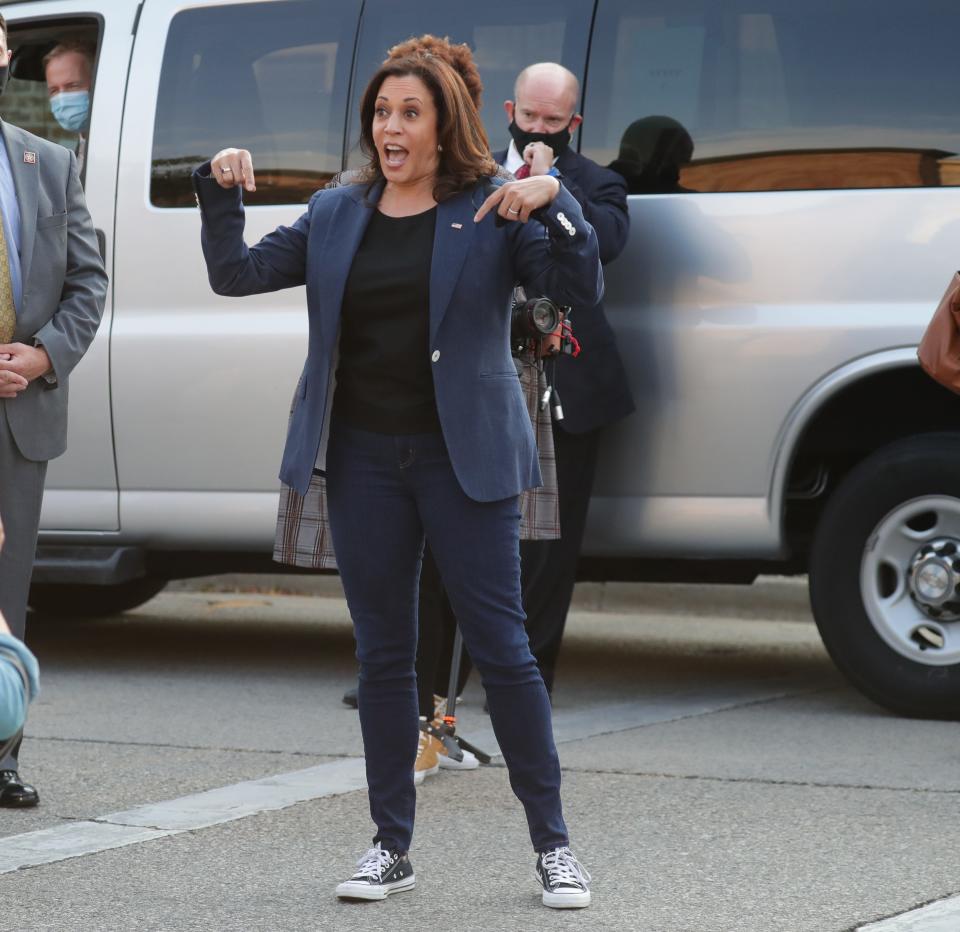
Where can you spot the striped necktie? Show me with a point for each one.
(8, 310)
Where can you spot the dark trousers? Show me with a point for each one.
(385, 493)
(21, 494)
(549, 567)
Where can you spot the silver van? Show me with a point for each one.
(791, 168)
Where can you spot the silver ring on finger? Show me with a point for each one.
(224, 171)
(512, 210)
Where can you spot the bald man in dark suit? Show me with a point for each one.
(593, 387)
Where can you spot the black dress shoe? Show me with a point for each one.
(14, 793)
(350, 698)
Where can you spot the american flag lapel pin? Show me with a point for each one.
(457, 226)
(30, 158)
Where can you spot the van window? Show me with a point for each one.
(505, 37)
(726, 95)
(268, 77)
(26, 100)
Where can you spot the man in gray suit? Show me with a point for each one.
(52, 291)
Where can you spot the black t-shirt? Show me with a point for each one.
(384, 379)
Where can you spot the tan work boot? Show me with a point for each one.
(428, 762)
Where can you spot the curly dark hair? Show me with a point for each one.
(459, 57)
(465, 155)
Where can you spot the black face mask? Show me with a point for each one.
(558, 141)
(4, 75)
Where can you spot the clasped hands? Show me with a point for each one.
(20, 364)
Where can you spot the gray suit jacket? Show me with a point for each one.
(64, 284)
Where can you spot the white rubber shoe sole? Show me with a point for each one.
(469, 762)
(566, 900)
(350, 890)
(420, 775)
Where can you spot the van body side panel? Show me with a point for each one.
(729, 309)
(203, 384)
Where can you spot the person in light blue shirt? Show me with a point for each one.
(19, 679)
(19, 682)
(63, 286)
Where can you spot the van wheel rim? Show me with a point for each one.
(910, 580)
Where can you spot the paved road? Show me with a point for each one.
(719, 777)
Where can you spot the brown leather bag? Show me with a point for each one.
(939, 350)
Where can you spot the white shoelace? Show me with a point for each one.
(373, 863)
(562, 867)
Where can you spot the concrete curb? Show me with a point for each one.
(770, 597)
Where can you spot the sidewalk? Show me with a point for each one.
(719, 776)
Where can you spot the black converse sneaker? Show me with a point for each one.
(380, 872)
(565, 881)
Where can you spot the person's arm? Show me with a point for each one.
(557, 254)
(605, 209)
(68, 334)
(278, 261)
(15, 691)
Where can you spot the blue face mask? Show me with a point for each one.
(71, 109)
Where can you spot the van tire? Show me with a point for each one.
(73, 600)
(894, 484)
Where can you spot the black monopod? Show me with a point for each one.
(446, 731)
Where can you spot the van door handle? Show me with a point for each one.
(102, 243)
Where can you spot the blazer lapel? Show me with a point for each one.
(26, 181)
(568, 163)
(336, 252)
(451, 242)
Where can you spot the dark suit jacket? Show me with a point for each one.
(593, 387)
(473, 270)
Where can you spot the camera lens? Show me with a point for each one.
(544, 315)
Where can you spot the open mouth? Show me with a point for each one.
(394, 156)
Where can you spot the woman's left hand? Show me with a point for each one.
(516, 200)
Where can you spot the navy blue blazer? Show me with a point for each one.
(474, 268)
(593, 387)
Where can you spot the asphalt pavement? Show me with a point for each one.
(198, 772)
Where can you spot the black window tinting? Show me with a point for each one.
(271, 78)
(730, 95)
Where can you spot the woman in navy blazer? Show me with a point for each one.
(410, 405)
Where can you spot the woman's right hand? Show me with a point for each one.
(233, 167)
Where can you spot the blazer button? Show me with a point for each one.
(435, 355)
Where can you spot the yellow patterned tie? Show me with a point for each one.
(8, 310)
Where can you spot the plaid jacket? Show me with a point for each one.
(303, 525)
